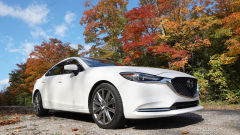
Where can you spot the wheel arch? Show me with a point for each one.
(37, 90)
(94, 87)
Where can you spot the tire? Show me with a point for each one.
(106, 107)
(38, 108)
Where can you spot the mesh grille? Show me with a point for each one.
(182, 87)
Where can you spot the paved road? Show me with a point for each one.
(216, 122)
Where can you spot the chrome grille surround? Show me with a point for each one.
(181, 87)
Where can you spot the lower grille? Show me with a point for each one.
(185, 86)
(175, 106)
(182, 105)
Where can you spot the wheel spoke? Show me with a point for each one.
(103, 94)
(96, 102)
(36, 100)
(97, 110)
(99, 116)
(104, 118)
(111, 109)
(107, 96)
(99, 97)
(108, 116)
(111, 102)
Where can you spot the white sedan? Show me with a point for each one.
(113, 93)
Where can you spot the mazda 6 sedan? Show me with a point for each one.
(112, 93)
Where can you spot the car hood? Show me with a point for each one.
(154, 71)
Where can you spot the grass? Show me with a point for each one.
(219, 105)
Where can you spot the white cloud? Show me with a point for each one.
(69, 17)
(60, 30)
(75, 46)
(87, 47)
(4, 82)
(78, 38)
(8, 41)
(25, 48)
(32, 15)
(38, 31)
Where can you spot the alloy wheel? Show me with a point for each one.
(103, 106)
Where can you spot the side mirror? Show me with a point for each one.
(72, 67)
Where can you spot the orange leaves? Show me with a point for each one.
(104, 25)
(74, 129)
(198, 43)
(11, 121)
(185, 132)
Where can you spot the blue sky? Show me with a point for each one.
(25, 23)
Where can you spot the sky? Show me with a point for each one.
(25, 23)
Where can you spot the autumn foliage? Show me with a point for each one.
(199, 37)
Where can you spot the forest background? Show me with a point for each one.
(198, 37)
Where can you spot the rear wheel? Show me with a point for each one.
(38, 108)
(106, 107)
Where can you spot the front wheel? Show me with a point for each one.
(106, 107)
(38, 108)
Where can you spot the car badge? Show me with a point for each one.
(190, 83)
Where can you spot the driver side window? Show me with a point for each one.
(56, 70)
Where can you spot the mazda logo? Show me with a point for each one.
(190, 83)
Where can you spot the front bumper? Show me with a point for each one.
(152, 100)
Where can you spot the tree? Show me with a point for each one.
(16, 93)
(104, 25)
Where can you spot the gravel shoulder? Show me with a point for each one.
(216, 122)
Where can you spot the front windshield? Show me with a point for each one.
(94, 62)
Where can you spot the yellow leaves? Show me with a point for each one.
(17, 130)
(160, 36)
(199, 9)
(233, 52)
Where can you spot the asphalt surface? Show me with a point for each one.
(216, 122)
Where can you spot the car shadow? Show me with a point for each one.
(72, 115)
(176, 121)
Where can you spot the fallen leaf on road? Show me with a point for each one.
(82, 127)
(16, 130)
(18, 127)
(77, 134)
(74, 129)
(52, 120)
(185, 132)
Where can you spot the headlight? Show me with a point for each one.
(140, 77)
